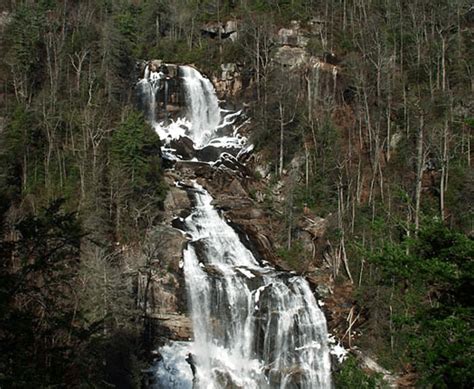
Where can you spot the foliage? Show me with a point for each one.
(349, 145)
(433, 312)
(137, 166)
(351, 376)
(296, 256)
(37, 310)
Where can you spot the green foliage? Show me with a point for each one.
(296, 256)
(350, 376)
(36, 298)
(24, 39)
(433, 311)
(136, 150)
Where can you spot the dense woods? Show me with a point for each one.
(374, 135)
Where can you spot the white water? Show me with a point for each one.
(203, 121)
(202, 105)
(254, 327)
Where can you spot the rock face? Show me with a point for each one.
(293, 36)
(161, 282)
(160, 84)
(229, 82)
(174, 326)
(291, 56)
(216, 30)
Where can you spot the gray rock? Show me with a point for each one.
(293, 36)
(291, 56)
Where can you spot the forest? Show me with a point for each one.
(374, 136)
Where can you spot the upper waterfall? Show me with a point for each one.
(198, 117)
(202, 105)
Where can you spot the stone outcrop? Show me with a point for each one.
(225, 30)
(291, 56)
(293, 36)
(161, 280)
(175, 326)
(228, 82)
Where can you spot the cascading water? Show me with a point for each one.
(253, 326)
(204, 113)
(204, 122)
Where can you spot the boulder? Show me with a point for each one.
(176, 203)
(212, 153)
(230, 162)
(183, 146)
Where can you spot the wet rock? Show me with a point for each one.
(192, 169)
(229, 161)
(225, 380)
(155, 64)
(184, 147)
(212, 153)
(237, 204)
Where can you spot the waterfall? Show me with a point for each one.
(148, 88)
(254, 326)
(202, 120)
(203, 107)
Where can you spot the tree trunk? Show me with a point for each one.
(419, 172)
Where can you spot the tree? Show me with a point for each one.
(136, 156)
(38, 307)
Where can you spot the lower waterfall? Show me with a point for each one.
(254, 326)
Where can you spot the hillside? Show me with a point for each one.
(358, 181)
